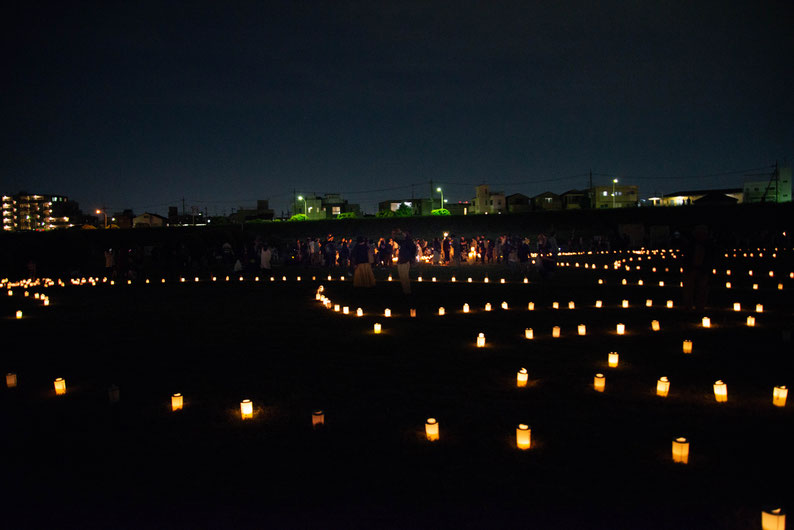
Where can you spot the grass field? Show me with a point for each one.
(597, 460)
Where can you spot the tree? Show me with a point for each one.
(440, 211)
(346, 215)
(299, 217)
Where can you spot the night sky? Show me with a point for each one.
(140, 104)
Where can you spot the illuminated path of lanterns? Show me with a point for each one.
(615, 342)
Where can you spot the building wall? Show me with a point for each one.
(625, 196)
(26, 211)
(766, 191)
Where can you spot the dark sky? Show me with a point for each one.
(139, 104)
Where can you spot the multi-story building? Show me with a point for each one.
(486, 201)
(546, 201)
(26, 211)
(776, 189)
(615, 196)
(686, 197)
(326, 206)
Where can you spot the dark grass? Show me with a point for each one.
(597, 461)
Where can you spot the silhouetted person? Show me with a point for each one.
(698, 256)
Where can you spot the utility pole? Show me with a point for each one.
(590, 192)
(183, 206)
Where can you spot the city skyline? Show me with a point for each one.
(140, 106)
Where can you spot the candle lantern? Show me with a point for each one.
(441, 311)
(720, 391)
(737, 306)
(419, 278)
(662, 386)
(488, 306)
(501, 280)
(318, 419)
(337, 308)
(176, 402)
(599, 304)
(706, 322)
(755, 287)
(531, 306)
(687, 346)
(469, 280)
(431, 429)
(625, 304)
(522, 377)
(526, 280)
(481, 340)
(750, 321)
(681, 450)
(529, 334)
(504, 305)
(486, 280)
(11, 380)
(669, 304)
(453, 279)
(779, 395)
(60, 386)
(759, 308)
(621, 329)
(571, 305)
(661, 283)
(389, 278)
(639, 282)
(648, 302)
(387, 312)
(359, 312)
(376, 327)
(773, 520)
(655, 325)
(19, 314)
(433, 279)
(523, 436)
(555, 332)
(465, 308)
(412, 312)
(246, 409)
(599, 382)
(600, 281)
(780, 287)
(623, 281)
(582, 329)
(555, 305)
(345, 310)
(613, 359)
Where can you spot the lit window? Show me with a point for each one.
(604, 193)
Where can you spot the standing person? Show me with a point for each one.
(436, 251)
(456, 250)
(265, 255)
(362, 257)
(445, 246)
(405, 256)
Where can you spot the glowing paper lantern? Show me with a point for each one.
(504, 305)
(19, 314)
(750, 321)
(176, 402)
(413, 312)
(246, 409)
(419, 279)
(621, 329)
(441, 311)
(669, 304)
(531, 306)
(727, 285)
(755, 287)
(662, 386)
(599, 382)
(523, 436)
(623, 281)
(318, 419)
(337, 308)
(345, 310)
(522, 377)
(376, 327)
(526, 280)
(780, 287)
(625, 304)
(433, 279)
(486, 280)
(613, 359)
(706, 322)
(60, 386)
(11, 380)
(779, 395)
(453, 279)
(599, 304)
(681, 450)
(661, 283)
(759, 308)
(555, 332)
(555, 305)
(655, 325)
(469, 279)
(737, 306)
(582, 329)
(389, 278)
(687, 346)
(431, 429)
(387, 313)
(488, 306)
(529, 334)
(773, 520)
(359, 312)
(465, 308)
(648, 302)
(481, 340)
(639, 282)
(502, 280)
(720, 391)
(571, 305)
(600, 281)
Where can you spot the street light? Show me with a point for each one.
(106, 216)
(442, 196)
(614, 181)
(300, 198)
